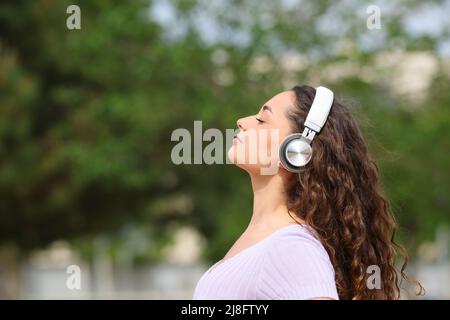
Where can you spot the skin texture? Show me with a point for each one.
(269, 199)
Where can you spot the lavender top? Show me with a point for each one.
(290, 263)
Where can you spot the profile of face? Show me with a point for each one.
(255, 148)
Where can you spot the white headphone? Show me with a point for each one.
(295, 150)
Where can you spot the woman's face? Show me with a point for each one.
(255, 147)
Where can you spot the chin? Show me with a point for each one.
(238, 160)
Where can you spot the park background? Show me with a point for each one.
(86, 118)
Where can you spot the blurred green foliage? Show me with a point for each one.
(86, 115)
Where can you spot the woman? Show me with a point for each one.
(321, 231)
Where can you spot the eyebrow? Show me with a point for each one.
(266, 107)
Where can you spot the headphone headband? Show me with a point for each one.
(320, 109)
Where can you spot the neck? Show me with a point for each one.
(269, 203)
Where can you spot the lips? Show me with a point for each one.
(237, 138)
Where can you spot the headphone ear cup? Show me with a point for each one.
(294, 152)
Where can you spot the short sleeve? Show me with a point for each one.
(296, 266)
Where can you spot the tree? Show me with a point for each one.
(86, 115)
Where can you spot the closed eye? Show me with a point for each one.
(259, 120)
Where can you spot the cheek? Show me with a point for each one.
(258, 148)
(247, 151)
(262, 144)
(262, 148)
(272, 143)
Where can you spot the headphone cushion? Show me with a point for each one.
(282, 152)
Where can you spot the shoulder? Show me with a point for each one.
(299, 241)
(297, 266)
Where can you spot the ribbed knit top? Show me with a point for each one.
(290, 263)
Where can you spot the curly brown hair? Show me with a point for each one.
(338, 194)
